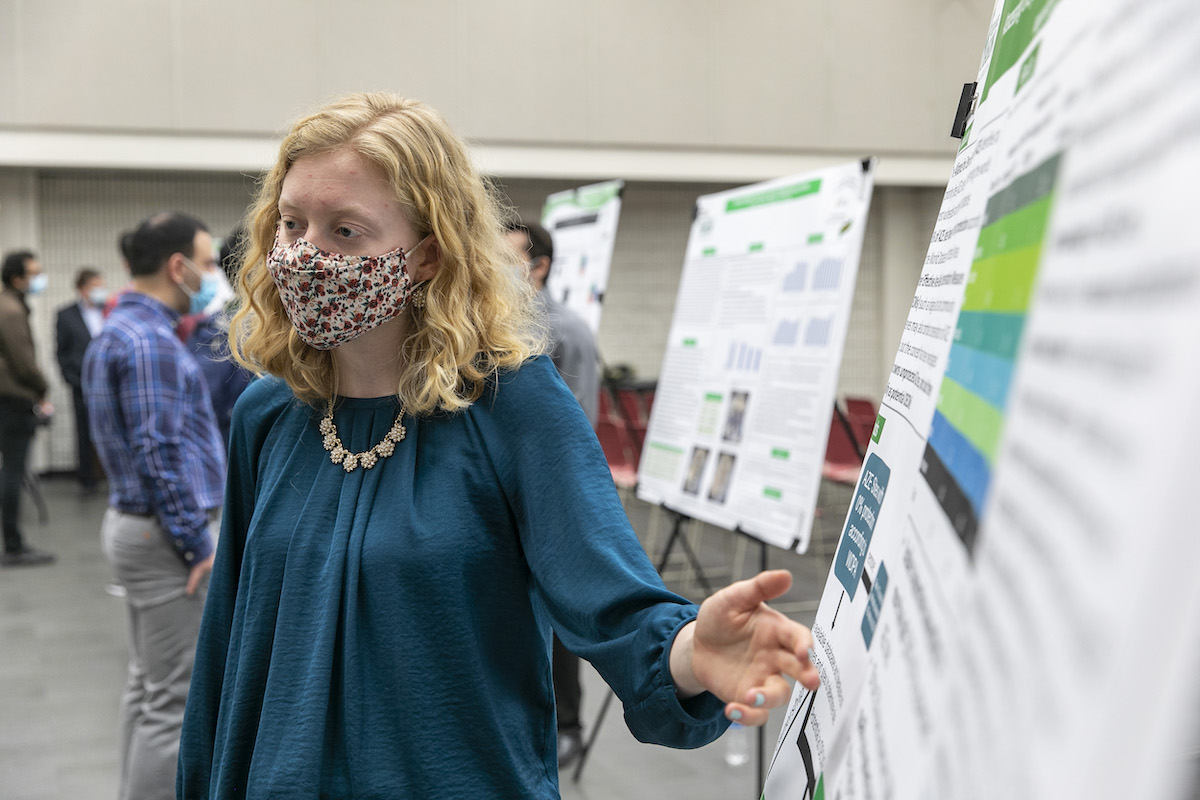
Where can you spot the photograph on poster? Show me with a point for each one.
(721, 478)
(691, 483)
(735, 416)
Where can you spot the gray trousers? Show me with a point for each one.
(163, 625)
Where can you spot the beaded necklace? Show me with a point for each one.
(338, 454)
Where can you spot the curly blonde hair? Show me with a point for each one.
(479, 315)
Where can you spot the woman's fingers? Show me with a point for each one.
(774, 692)
(766, 586)
(746, 596)
(757, 703)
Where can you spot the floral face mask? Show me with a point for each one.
(332, 298)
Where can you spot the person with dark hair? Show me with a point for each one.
(573, 351)
(154, 428)
(76, 325)
(573, 347)
(22, 399)
(209, 341)
(123, 242)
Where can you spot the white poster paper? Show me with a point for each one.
(1012, 607)
(583, 223)
(745, 396)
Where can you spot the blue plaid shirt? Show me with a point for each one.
(152, 423)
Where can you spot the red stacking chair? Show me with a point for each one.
(842, 459)
(604, 403)
(860, 412)
(635, 417)
(631, 405)
(618, 447)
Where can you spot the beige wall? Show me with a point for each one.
(678, 97)
(773, 75)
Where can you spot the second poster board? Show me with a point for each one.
(741, 415)
(583, 222)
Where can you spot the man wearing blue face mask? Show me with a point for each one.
(153, 426)
(22, 399)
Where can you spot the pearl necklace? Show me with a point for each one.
(338, 454)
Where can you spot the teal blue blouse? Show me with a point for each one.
(385, 633)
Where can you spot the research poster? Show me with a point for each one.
(583, 223)
(745, 395)
(1012, 610)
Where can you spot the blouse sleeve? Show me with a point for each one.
(590, 574)
(198, 739)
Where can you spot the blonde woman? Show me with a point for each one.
(415, 500)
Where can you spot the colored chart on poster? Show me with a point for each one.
(974, 395)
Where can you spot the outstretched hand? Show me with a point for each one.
(741, 650)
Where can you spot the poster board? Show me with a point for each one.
(1012, 608)
(744, 400)
(583, 222)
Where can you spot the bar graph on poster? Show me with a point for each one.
(745, 396)
(1012, 609)
(583, 222)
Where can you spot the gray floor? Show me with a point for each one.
(62, 658)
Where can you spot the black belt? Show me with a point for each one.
(138, 513)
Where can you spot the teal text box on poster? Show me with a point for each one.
(874, 605)
(860, 523)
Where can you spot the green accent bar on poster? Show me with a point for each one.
(774, 494)
(756, 247)
(878, 429)
(1025, 190)
(668, 448)
(714, 397)
(780, 453)
(1020, 22)
(816, 238)
(996, 334)
(1027, 68)
(1020, 229)
(972, 416)
(1002, 283)
(777, 195)
(708, 251)
(597, 196)
(585, 198)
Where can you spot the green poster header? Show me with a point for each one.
(777, 195)
(1020, 22)
(585, 198)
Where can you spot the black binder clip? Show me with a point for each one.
(966, 109)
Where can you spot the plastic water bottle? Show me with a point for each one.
(737, 745)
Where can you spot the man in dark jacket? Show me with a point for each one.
(22, 399)
(77, 324)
